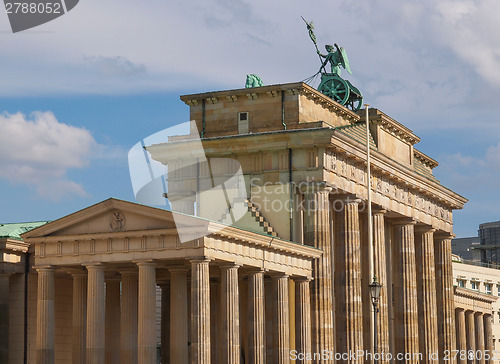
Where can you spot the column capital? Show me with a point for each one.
(43, 268)
(302, 279)
(277, 275)
(378, 210)
(94, 265)
(443, 235)
(404, 221)
(229, 265)
(422, 228)
(256, 270)
(149, 262)
(312, 187)
(200, 260)
(347, 198)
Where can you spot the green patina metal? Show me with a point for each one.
(253, 81)
(14, 230)
(332, 85)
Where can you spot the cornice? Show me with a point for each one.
(425, 159)
(263, 240)
(388, 168)
(296, 88)
(468, 293)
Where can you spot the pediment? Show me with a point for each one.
(109, 216)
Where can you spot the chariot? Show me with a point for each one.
(332, 85)
(340, 90)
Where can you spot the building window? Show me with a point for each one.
(243, 123)
(487, 288)
(474, 285)
(498, 290)
(461, 283)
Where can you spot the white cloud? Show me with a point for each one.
(115, 66)
(39, 150)
(473, 173)
(419, 62)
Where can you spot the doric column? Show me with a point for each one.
(317, 234)
(471, 335)
(178, 316)
(4, 317)
(146, 335)
(348, 304)
(128, 320)
(405, 289)
(488, 337)
(282, 322)
(215, 320)
(479, 338)
(256, 318)
(79, 346)
(380, 271)
(270, 316)
(302, 318)
(165, 322)
(200, 311)
(112, 345)
(45, 316)
(461, 334)
(445, 294)
(230, 314)
(426, 290)
(95, 314)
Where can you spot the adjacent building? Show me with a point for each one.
(477, 305)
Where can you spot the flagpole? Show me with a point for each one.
(371, 257)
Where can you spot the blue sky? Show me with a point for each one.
(78, 92)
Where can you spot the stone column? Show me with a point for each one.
(178, 316)
(270, 317)
(146, 335)
(230, 314)
(302, 318)
(4, 317)
(348, 304)
(128, 319)
(200, 311)
(256, 318)
(165, 322)
(215, 320)
(112, 345)
(445, 294)
(479, 338)
(471, 335)
(79, 345)
(426, 291)
(282, 326)
(45, 316)
(95, 314)
(317, 234)
(405, 289)
(380, 271)
(488, 337)
(461, 334)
